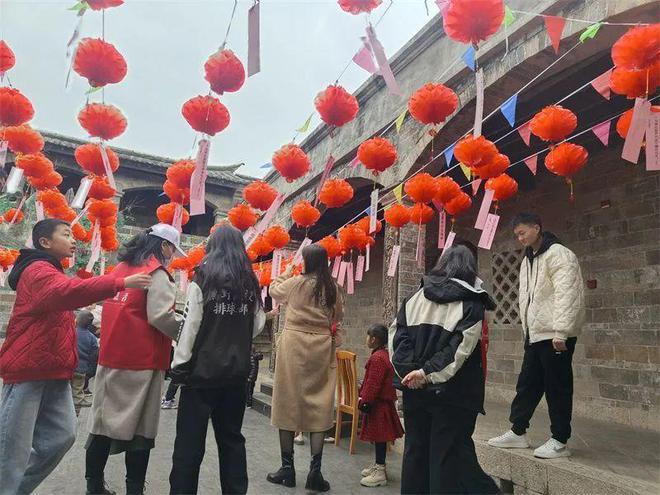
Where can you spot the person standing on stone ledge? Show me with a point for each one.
(551, 299)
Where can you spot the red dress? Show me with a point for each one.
(381, 423)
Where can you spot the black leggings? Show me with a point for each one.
(315, 441)
(381, 452)
(98, 451)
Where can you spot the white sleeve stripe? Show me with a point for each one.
(466, 347)
(390, 342)
(421, 311)
(193, 313)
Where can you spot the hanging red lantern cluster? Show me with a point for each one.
(304, 214)
(554, 123)
(473, 21)
(206, 114)
(13, 214)
(291, 162)
(242, 216)
(421, 214)
(458, 205)
(100, 188)
(356, 7)
(365, 223)
(497, 166)
(448, 189)
(432, 103)
(335, 193)
(99, 62)
(635, 83)
(264, 273)
(166, 213)
(277, 236)
(89, 157)
(638, 49)
(352, 237)
(22, 139)
(336, 106)
(15, 108)
(261, 246)
(109, 240)
(331, 245)
(224, 72)
(421, 188)
(39, 171)
(102, 121)
(475, 152)
(8, 257)
(397, 215)
(102, 211)
(179, 173)
(566, 159)
(503, 186)
(259, 194)
(377, 154)
(55, 205)
(7, 58)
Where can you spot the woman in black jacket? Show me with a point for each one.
(212, 362)
(435, 345)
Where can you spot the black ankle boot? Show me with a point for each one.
(97, 486)
(286, 475)
(134, 487)
(315, 481)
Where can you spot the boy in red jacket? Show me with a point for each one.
(39, 356)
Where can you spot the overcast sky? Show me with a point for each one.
(304, 46)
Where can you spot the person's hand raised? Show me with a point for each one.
(137, 281)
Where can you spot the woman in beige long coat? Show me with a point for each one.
(305, 369)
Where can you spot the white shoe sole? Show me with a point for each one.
(554, 455)
(374, 485)
(508, 445)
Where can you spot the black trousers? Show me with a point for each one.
(249, 392)
(545, 371)
(170, 393)
(439, 455)
(225, 407)
(98, 451)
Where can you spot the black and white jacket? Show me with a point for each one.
(215, 340)
(438, 330)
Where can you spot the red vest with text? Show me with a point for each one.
(128, 341)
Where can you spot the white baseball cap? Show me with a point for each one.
(169, 233)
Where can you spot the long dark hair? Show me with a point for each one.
(316, 264)
(141, 247)
(227, 267)
(457, 262)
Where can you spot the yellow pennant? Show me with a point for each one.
(467, 171)
(400, 119)
(398, 192)
(305, 126)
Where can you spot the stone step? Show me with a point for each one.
(267, 388)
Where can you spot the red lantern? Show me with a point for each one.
(553, 123)
(356, 7)
(196, 255)
(397, 215)
(473, 21)
(336, 106)
(15, 109)
(623, 123)
(261, 246)
(177, 194)
(335, 193)
(103, 4)
(48, 181)
(7, 257)
(503, 186)
(84, 274)
(22, 139)
(496, 167)
(421, 214)
(377, 154)
(36, 165)
(291, 162)
(635, 83)
(242, 217)
(277, 236)
(304, 214)
(52, 199)
(79, 232)
(460, 204)
(101, 209)
(331, 246)
(566, 159)
(432, 103)
(352, 237)
(365, 223)
(265, 274)
(165, 213)
(103, 121)
(179, 173)
(13, 214)
(89, 158)
(99, 62)
(259, 194)
(101, 189)
(475, 152)
(109, 241)
(225, 72)
(67, 214)
(639, 48)
(448, 189)
(7, 58)
(206, 114)
(421, 188)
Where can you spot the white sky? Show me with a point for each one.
(304, 46)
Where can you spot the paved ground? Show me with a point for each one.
(340, 469)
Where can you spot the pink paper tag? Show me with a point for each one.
(485, 208)
(107, 167)
(602, 132)
(183, 281)
(298, 257)
(373, 211)
(479, 109)
(653, 142)
(532, 163)
(525, 133)
(449, 242)
(419, 249)
(198, 179)
(394, 261)
(82, 192)
(277, 260)
(3, 153)
(39, 208)
(383, 65)
(488, 234)
(18, 210)
(636, 131)
(254, 57)
(177, 218)
(365, 58)
(326, 171)
(350, 284)
(336, 266)
(368, 261)
(442, 227)
(342, 273)
(265, 221)
(359, 268)
(95, 247)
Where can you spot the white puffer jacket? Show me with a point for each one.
(551, 295)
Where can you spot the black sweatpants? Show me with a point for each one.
(545, 371)
(170, 393)
(226, 407)
(439, 455)
(98, 451)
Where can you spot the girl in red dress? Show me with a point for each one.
(380, 421)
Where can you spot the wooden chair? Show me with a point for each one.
(347, 395)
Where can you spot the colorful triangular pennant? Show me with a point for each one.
(466, 171)
(266, 165)
(469, 58)
(602, 84)
(364, 58)
(305, 126)
(555, 26)
(475, 186)
(449, 153)
(398, 192)
(508, 109)
(400, 119)
(525, 133)
(602, 132)
(508, 16)
(590, 32)
(532, 162)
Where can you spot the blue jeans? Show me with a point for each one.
(37, 427)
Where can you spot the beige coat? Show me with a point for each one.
(306, 367)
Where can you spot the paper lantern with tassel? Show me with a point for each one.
(179, 173)
(554, 123)
(109, 241)
(365, 223)
(261, 246)
(176, 194)
(304, 214)
(35, 165)
(206, 114)
(432, 103)
(331, 245)
(7, 58)
(48, 181)
(88, 156)
(251, 254)
(475, 152)
(503, 186)
(566, 159)
(15, 108)
(397, 215)
(165, 213)
(458, 205)
(377, 154)
(242, 216)
(259, 194)
(99, 62)
(638, 49)
(264, 274)
(335, 193)
(52, 199)
(103, 4)
(352, 237)
(635, 83)
(102, 121)
(291, 162)
(356, 7)
(421, 188)
(79, 232)
(497, 166)
(473, 21)
(277, 236)
(101, 189)
(22, 139)
(336, 106)
(421, 214)
(448, 189)
(623, 123)
(224, 71)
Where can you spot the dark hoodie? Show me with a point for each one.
(548, 239)
(438, 330)
(25, 259)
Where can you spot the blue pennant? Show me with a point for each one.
(267, 165)
(508, 109)
(449, 153)
(469, 58)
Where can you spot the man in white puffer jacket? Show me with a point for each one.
(551, 299)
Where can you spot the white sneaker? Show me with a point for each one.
(299, 439)
(552, 449)
(509, 441)
(377, 477)
(367, 471)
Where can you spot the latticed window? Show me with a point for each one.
(505, 266)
